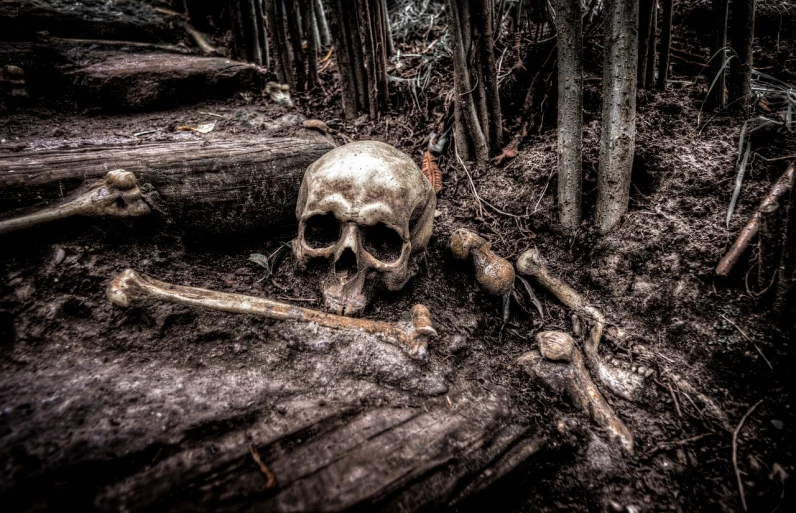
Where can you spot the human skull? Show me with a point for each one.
(368, 209)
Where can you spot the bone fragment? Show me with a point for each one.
(750, 230)
(117, 194)
(494, 273)
(622, 382)
(557, 346)
(413, 336)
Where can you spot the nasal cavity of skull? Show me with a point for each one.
(321, 231)
(383, 243)
(346, 265)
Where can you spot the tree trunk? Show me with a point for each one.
(666, 43)
(768, 239)
(618, 135)
(387, 29)
(308, 17)
(345, 70)
(645, 26)
(295, 41)
(238, 32)
(216, 188)
(486, 48)
(276, 26)
(473, 116)
(570, 111)
(323, 25)
(785, 300)
(718, 54)
(743, 31)
(649, 79)
(251, 31)
(262, 36)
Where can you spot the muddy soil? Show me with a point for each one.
(64, 346)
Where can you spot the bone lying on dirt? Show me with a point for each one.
(494, 273)
(115, 195)
(749, 231)
(622, 381)
(413, 336)
(556, 346)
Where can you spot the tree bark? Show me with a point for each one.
(645, 26)
(345, 69)
(295, 41)
(486, 48)
(123, 81)
(308, 17)
(226, 186)
(649, 79)
(618, 135)
(385, 19)
(666, 43)
(460, 25)
(252, 31)
(276, 26)
(785, 299)
(718, 53)
(743, 31)
(262, 35)
(323, 25)
(570, 111)
(238, 32)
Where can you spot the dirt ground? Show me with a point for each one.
(653, 276)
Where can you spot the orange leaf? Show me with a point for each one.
(431, 170)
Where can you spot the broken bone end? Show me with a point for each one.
(120, 290)
(493, 273)
(556, 346)
(122, 179)
(530, 262)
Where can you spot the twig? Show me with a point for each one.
(735, 452)
(748, 340)
(478, 198)
(674, 398)
(270, 480)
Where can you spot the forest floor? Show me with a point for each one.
(653, 276)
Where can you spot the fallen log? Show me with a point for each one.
(750, 230)
(122, 81)
(207, 187)
(121, 19)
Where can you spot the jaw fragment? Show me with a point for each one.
(412, 336)
(571, 375)
(116, 195)
(624, 382)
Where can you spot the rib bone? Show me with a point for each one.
(556, 346)
(622, 382)
(413, 336)
(117, 194)
(494, 273)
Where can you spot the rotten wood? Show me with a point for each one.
(750, 230)
(121, 81)
(206, 186)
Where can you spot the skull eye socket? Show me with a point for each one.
(321, 231)
(383, 243)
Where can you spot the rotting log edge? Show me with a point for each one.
(206, 187)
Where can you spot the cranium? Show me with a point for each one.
(368, 209)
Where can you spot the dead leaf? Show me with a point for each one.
(317, 124)
(509, 152)
(432, 171)
(202, 129)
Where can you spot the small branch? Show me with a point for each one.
(735, 452)
(270, 480)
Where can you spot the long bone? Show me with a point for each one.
(556, 346)
(623, 382)
(117, 194)
(495, 274)
(413, 336)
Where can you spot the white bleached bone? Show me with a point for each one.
(413, 335)
(117, 195)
